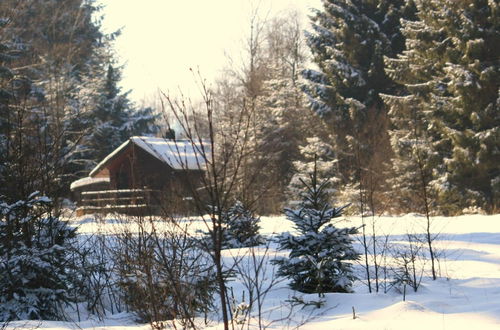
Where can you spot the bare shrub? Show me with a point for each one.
(409, 264)
(162, 273)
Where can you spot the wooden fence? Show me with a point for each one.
(127, 201)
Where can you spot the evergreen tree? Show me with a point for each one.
(114, 118)
(450, 72)
(37, 275)
(242, 228)
(66, 56)
(320, 253)
(6, 95)
(60, 42)
(268, 87)
(27, 161)
(348, 42)
(283, 105)
(316, 155)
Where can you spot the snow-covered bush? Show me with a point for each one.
(320, 254)
(36, 275)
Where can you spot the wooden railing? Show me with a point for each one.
(128, 201)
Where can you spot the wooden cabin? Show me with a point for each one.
(143, 175)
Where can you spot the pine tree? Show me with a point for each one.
(451, 78)
(242, 228)
(37, 275)
(348, 42)
(60, 42)
(320, 253)
(114, 118)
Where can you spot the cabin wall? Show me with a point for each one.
(174, 185)
(150, 172)
(120, 170)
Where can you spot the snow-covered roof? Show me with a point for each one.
(178, 154)
(86, 181)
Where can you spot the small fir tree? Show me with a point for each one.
(320, 254)
(242, 228)
(319, 154)
(37, 275)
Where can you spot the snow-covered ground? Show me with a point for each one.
(465, 296)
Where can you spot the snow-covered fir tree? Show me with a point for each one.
(268, 86)
(59, 41)
(29, 156)
(6, 95)
(467, 109)
(318, 156)
(242, 228)
(450, 72)
(320, 253)
(37, 275)
(239, 228)
(114, 118)
(348, 42)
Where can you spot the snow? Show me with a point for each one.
(465, 296)
(178, 154)
(87, 181)
(114, 191)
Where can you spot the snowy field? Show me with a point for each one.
(465, 296)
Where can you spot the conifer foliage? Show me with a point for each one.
(450, 72)
(36, 272)
(348, 41)
(242, 228)
(115, 118)
(316, 153)
(320, 253)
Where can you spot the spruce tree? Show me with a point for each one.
(466, 110)
(28, 161)
(268, 86)
(320, 254)
(6, 95)
(450, 72)
(37, 274)
(348, 42)
(242, 228)
(114, 118)
(316, 155)
(61, 43)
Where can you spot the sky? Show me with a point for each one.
(162, 39)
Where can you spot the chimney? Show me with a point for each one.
(169, 134)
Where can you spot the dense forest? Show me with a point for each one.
(398, 101)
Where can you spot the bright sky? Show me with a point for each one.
(162, 39)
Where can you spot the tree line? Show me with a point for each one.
(397, 100)
(62, 109)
